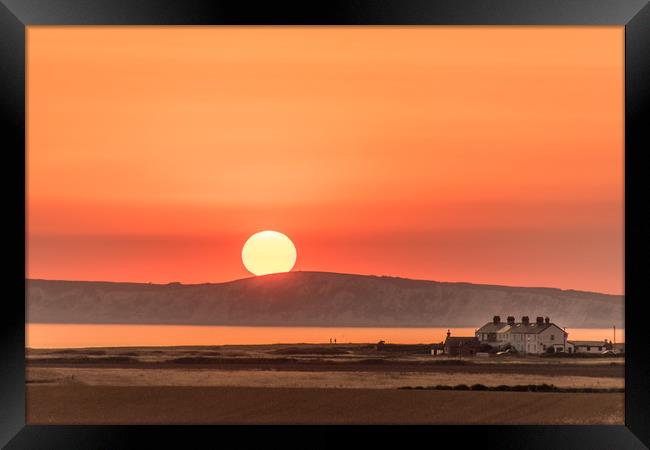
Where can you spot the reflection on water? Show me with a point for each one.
(94, 335)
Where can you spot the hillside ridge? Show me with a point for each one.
(314, 299)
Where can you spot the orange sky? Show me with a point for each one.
(482, 154)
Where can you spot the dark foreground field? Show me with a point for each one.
(50, 404)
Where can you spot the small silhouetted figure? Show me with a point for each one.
(335, 340)
(330, 340)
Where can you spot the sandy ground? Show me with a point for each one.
(242, 405)
(296, 379)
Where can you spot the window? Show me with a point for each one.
(588, 348)
(552, 337)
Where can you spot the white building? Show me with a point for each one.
(590, 346)
(526, 337)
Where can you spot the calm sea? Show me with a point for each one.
(93, 335)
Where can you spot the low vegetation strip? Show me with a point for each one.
(84, 360)
(328, 363)
(310, 351)
(516, 388)
(216, 360)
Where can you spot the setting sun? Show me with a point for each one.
(356, 143)
(268, 252)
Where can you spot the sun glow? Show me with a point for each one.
(268, 252)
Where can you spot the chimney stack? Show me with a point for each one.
(547, 320)
(525, 320)
(496, 320)
(511, 320)
(540, 320)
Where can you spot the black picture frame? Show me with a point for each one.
(16, 15)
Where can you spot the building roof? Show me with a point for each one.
(492, 327)
(532, 328)
(516, 328)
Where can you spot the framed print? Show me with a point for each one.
(376, 218)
